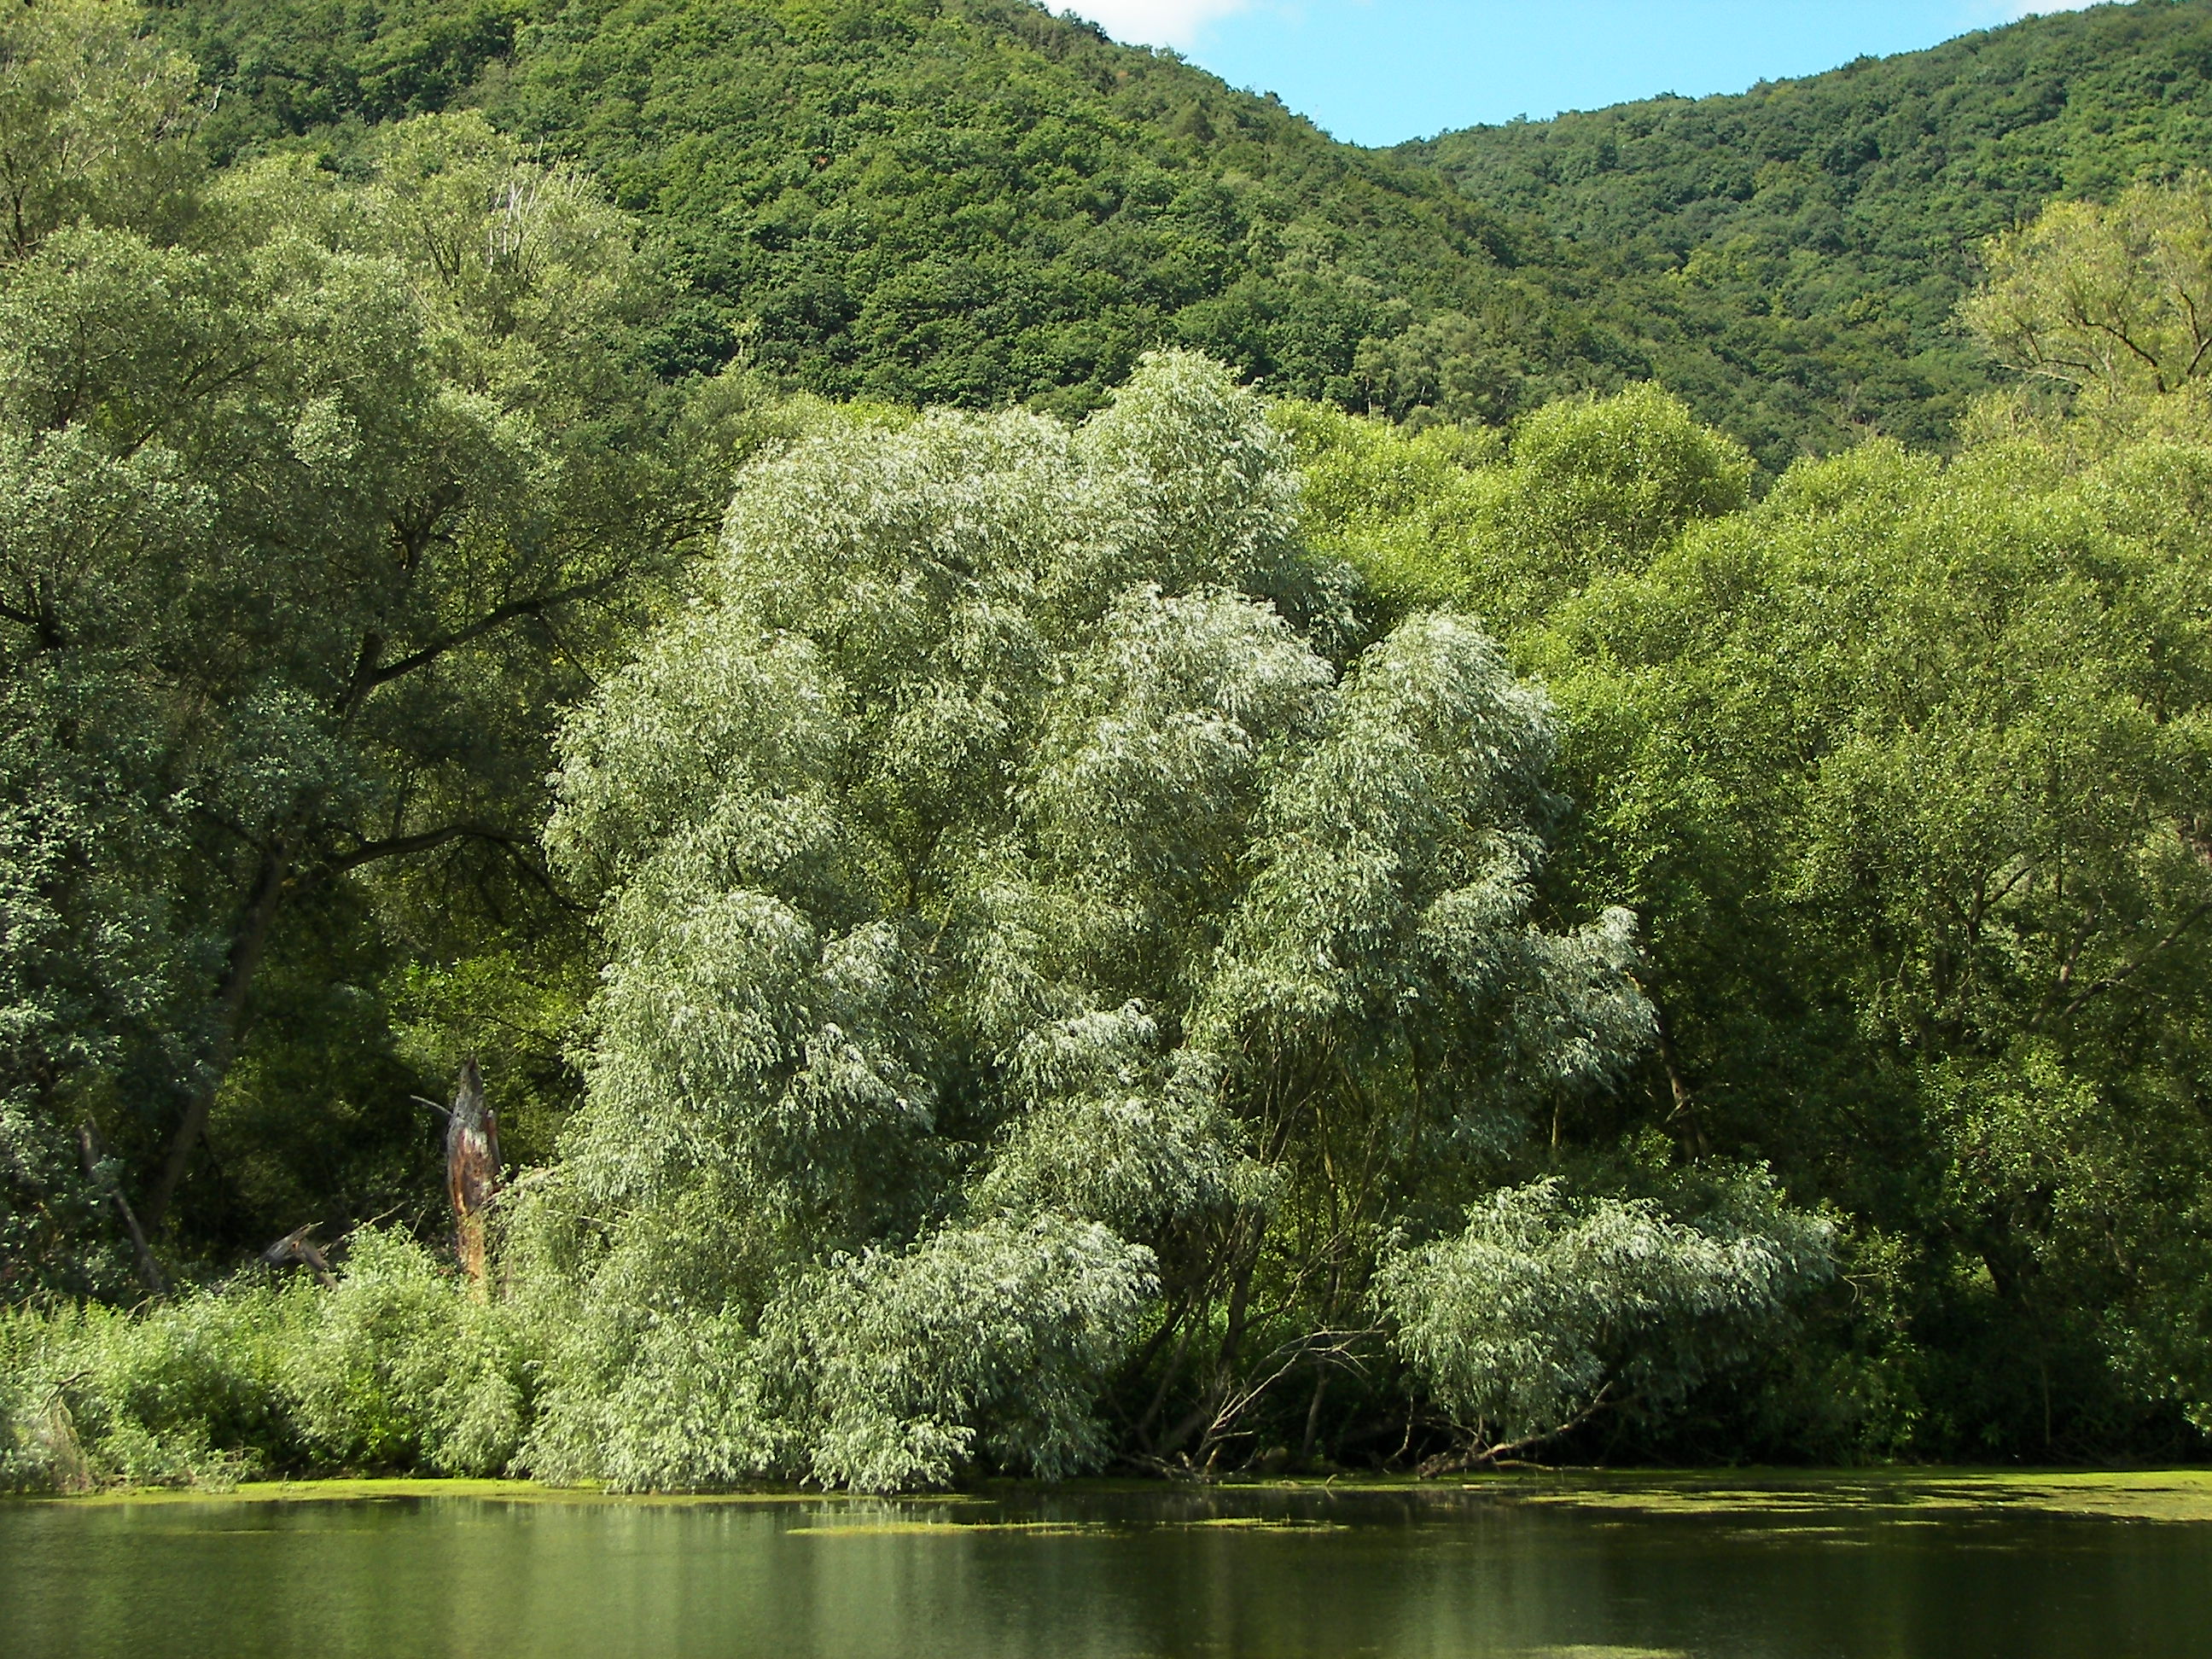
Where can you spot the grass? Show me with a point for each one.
(358, 1490)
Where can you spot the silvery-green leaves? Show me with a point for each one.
(896, 1369)
(1004, 868)
(1547, 1305)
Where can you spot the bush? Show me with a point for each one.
(187, 1394)
(395, 1368)
(405, 1370)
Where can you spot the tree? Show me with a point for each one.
(89, 115)
(95, 121)
(2114, 301)
(1897, 772)
(1902, 771)
(1017, 856)
(329, 488)
(1548, 1309)
(1582, 487)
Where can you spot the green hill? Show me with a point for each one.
(972, 201)
(928, 201)
(1788, 259)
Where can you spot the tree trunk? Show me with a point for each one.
(1313, 1418)
(1678, 1085)
(149, 1271)
(247, 947)
(472, 1174)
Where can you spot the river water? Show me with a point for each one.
(1102, 1575)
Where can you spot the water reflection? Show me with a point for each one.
(1111, 1575)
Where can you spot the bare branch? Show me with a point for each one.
(396, 847)
(491, 621)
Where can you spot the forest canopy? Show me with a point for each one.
(1037, 916)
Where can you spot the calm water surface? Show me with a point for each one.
(1110, 1575)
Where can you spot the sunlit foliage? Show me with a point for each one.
(322, 490)
(1170, 929)
(1039, 923)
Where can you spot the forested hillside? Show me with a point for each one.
(930, 201)
(1788, 259)
(970, 202)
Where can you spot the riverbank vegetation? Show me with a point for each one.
(1178, 928)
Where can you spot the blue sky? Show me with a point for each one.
(1376, 71)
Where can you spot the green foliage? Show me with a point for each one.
(1614, 480)
(1902, 770)
(1547, 1307)
(1039, 921)
(1898, 771)
(95, 121)
(970, 201)
(984, 1344)
(1085, 949)
(1450, 515)
(331, 489)
(394, 1367)
(404, 1371)
(190, 1393)
(1788, 259)
(2109, 301)
(955, 201)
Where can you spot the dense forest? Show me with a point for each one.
(1006, 767)
(958, 202)
(922, 203)
(1788, 260)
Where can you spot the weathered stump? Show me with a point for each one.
(472, 1174)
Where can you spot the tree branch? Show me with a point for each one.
(41, 621)
(2097, 987)
(396, 847)
(493, 620)
(1478, 1456)
(96, 1165)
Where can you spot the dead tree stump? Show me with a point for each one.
(472, 1174)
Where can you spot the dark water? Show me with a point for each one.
(1411, 1577)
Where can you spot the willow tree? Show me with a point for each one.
(1054, 958)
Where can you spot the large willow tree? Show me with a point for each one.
(1054, 958)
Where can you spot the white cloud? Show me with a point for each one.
(1156, 23)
